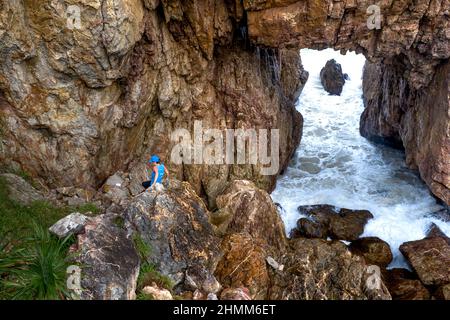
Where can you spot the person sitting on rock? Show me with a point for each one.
(158, 171)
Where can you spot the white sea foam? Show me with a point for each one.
(335, 165)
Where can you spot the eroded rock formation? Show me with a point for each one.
(419, 120)
(407, 91)
(83, 98)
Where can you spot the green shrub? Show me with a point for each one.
(37, 270)
(149, 275)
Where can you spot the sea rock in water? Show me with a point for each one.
(430, 258)
(174, 224)
(403, 285)
(328, 221)
(20, 190)
(309, 229)
(373, 249)
(72, 224)
(332, 78)
(109, 259)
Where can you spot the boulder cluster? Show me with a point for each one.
(240, 250)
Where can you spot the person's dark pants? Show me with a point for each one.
(146, 184)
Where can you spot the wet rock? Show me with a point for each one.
(174, 225)
(244, 265)
(72, 224)
(20, 190)
(109, 259)
(430, 259)
(317, 269)
(373, 249)
(339, 224)
(404, 285)
(310, 229)
(332, 78)
(157, 293)
(434, 231)
(235, 294)
(243, 207)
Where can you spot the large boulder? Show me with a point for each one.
(243, 207)
(174, 224)
(404, 285)
(109, 261)
(332, 78)
(328, 221)
(317, 269)
(20, 190)
(72, 224)
(430, 258)
(244, 264)
(434, 231)
(373, 249)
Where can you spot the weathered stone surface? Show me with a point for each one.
(72, 224)
(403, 285)
(79, 102)
(317, 269)
(332, 78)
(309, 229)
(328, 221)
(115, 189)
(417, 31)
(174, 224)
(235, 294)
(157, 293)
(417, 120)
(110, 263)
(373, 249)
(443, 292)
(102, 96)
(244, 264)
(430, 258)
(245, 208)
(20, 190)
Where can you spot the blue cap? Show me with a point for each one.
(154, 158)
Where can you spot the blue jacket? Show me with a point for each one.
(161, 172)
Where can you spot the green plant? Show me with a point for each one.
(38, 271)
(88, 207)
(119, 221)
(144, 296)
(142, 248)
(149, 275)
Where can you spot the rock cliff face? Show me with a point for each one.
(406, 84)
(80, 99)
(88, 88)
(418, 120)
